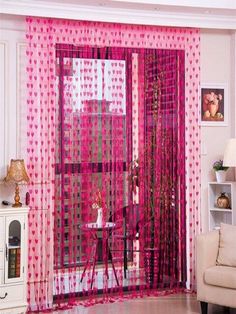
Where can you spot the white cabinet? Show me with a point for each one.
(217, 214)
(13, 259)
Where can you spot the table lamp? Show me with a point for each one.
(17, 173)
(229, 159)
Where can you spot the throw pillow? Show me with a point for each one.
(227, 245)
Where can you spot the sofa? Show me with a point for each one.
(216, 267)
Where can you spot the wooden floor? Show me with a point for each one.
(174, 304)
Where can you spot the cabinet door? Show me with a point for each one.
(2, 248)
(2, 233)
(15, 240)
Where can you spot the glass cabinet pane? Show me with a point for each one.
(14, 249)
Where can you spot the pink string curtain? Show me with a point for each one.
(94, 156)
(92, 153)
(40, 134)
(162, 193)
(56, 147)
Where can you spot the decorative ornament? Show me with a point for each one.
(223, 201)
(98, 204)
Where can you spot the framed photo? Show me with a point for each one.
(214, 106)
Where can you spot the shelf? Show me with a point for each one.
(216, 209)
(216, 228)
(217, 215)
(222, 183)
(13, 247)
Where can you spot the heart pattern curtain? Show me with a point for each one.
(96, 116)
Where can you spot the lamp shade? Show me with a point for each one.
(229, 159)
(17, 172)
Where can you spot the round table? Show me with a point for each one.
(106, 228)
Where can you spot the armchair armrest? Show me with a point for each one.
(207, 251)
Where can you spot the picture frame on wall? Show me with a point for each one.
(214, 105)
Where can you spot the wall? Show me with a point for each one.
(217, 66)
(12, 58)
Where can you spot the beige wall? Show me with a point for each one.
(12, 57)
(217, 67)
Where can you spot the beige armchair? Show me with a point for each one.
(216, 283)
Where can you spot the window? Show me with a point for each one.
(92, 124)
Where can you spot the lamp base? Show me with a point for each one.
(17, 197)
(17, 205)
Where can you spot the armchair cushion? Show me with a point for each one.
(227, 245)
(221, 276)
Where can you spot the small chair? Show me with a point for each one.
(216, 267)
(131, 232)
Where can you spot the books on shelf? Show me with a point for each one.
(18, 262)
(14, 262)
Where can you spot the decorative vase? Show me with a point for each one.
(223, 201)
(99, 217)
(213, 108)
(220, 176)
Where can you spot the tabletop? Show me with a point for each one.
(106, 226)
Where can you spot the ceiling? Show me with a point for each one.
(220, 14)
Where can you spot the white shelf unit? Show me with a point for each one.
(216, 214)
(13, 259)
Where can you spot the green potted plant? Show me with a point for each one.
(220, 170)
